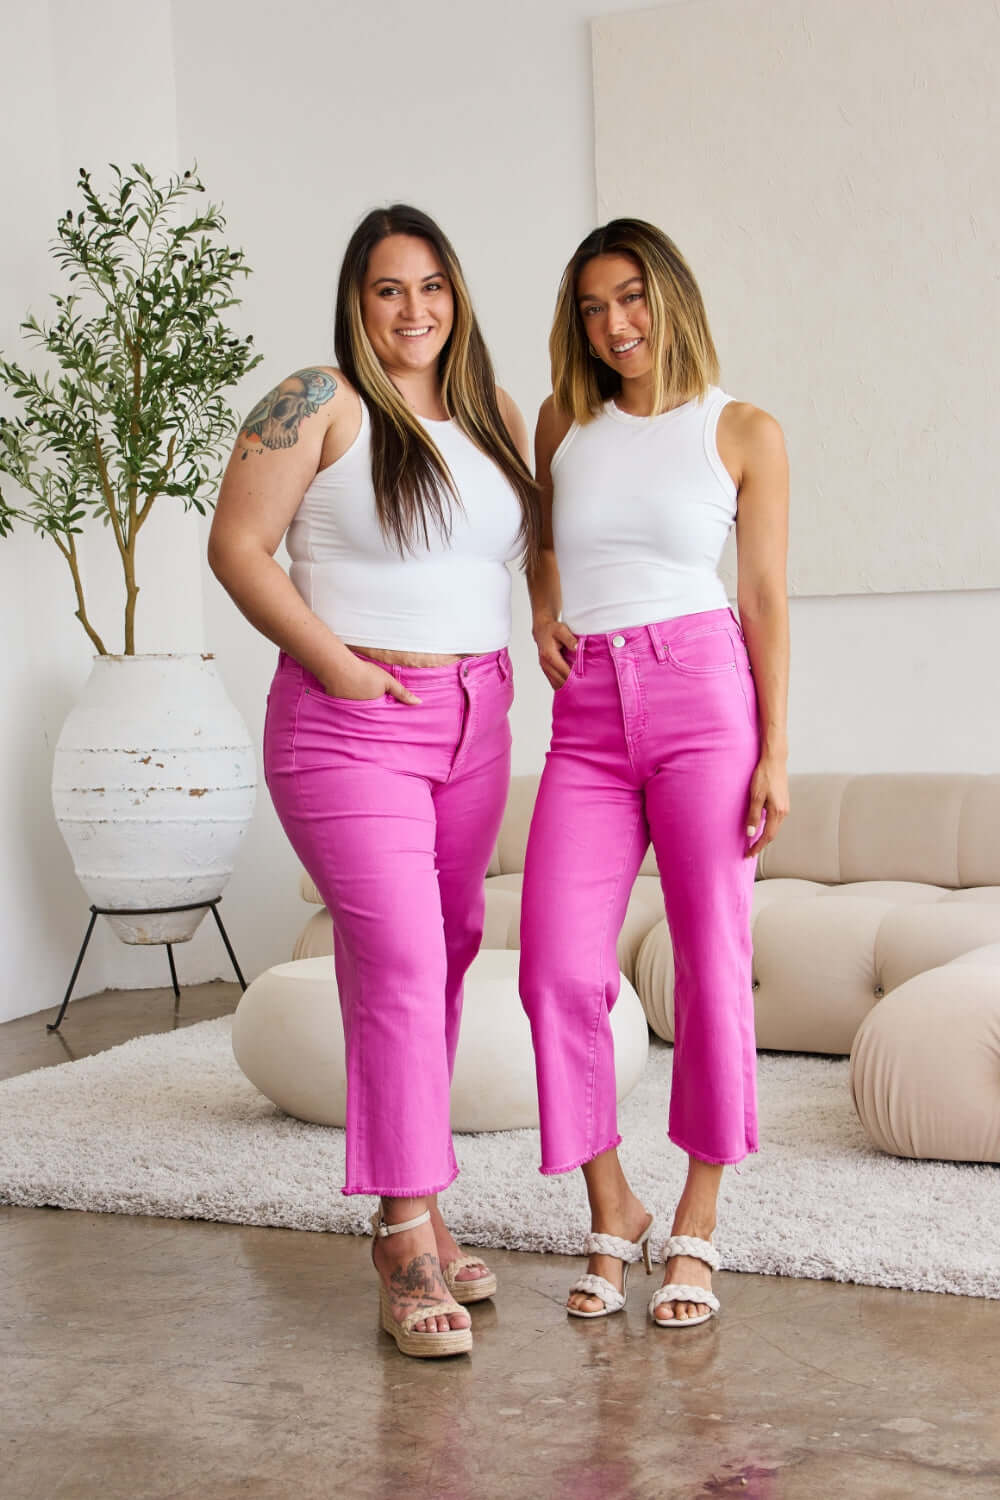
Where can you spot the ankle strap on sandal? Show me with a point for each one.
(383, 1230)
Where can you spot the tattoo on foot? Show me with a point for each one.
(274, 422)
(416, 1283)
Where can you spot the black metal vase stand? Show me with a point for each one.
(147, 911)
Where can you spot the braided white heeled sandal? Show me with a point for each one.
(418, 1345)
(686, 1244)
(628, 1252)
(475, 1290)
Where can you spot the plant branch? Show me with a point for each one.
(68, 550)
(133, 484)
(156, 488)
(110, 499)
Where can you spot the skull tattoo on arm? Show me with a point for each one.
(275, 421)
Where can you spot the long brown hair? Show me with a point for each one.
(414, 489)
(685, 363)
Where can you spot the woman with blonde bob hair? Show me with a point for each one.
(669, 725)
(400, 482)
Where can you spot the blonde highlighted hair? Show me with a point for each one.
(414, 489)
(685, 363)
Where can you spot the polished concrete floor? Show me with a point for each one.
(184, 1360)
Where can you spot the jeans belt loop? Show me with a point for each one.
(657, 644)
(580, 655)
(503, 666)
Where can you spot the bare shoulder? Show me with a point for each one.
(550, 429)
(752, 428)
(750, 441)
(508, 406)
(276, 421)
(510, 411)
(514, 422)
(553, 423)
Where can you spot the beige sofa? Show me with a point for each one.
(876, 929)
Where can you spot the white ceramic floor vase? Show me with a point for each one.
(153, 788)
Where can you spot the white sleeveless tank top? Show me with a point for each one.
(451, 596)
(641, 509)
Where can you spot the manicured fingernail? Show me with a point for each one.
(751, 830)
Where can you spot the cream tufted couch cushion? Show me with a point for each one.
(925, 1067)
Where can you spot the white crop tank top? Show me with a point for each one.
(451, 596)
(641, 509)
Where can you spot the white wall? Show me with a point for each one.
(838, 200)
(483, 116)
(79, 87)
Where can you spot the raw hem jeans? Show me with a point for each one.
(654, 737)
(394, 811)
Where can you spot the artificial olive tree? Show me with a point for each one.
(129, 406)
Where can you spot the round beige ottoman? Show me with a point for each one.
(289, 1041)
(925, 1066)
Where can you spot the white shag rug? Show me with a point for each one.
(168, 1125)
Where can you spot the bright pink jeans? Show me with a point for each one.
(394, 810)
(654, 736)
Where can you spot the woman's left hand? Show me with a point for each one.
(768, 801)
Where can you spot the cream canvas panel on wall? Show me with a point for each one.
(830, 170)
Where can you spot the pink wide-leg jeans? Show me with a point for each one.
(654, 737)
(394, 810)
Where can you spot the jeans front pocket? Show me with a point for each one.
(320, 695)
(574, 661)
(700, 652)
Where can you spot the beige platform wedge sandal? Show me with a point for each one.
(475, 1290)
(408, 1341)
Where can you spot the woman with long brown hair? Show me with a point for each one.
(669, 725)
(401, 482)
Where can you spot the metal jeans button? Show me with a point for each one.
(617, 640)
